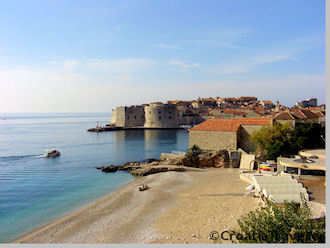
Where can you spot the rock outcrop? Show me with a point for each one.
(148, 170)
(210, 159)
(143, 168)
(171, 162)
(172, 158)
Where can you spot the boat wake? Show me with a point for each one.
(20, 157)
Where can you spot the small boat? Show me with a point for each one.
(53, 154)
(143, 187)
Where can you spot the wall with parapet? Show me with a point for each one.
(158, 115)
(244, 137)
(128, 117)
(135, 116)
(118, 116)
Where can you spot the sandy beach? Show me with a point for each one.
(179, 207)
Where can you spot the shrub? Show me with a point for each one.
(281, 139)
(192, 156)
(281, 224)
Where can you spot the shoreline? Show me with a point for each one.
(68, 228)
(130, 216)
(72, 213)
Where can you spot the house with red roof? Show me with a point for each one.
(284, 117)
(305, 116)
(227, 134)
(299, 115)
(267, 104)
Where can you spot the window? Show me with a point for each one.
(159, 117)
(170, 117)
(135, 117)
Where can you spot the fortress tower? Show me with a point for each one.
(159, 115)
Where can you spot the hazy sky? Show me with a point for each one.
(89, 56)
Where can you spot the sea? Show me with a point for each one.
(35, 190)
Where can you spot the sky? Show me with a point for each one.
(90, 56)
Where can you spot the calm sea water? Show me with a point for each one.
(35, 190)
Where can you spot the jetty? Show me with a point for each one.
(111, 127)
(104, 129)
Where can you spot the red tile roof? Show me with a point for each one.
(231, 99)
(309, 114)
(319, 114)
(229, 125)
(233, 111)
(283, 116)
(304, 114)
(255, 121)
(267, 102)
(209, 99)
(318, 108)
(298, 115)
(248, 98)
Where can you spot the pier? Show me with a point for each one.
(110, 128)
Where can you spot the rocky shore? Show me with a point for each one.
(144, 168)
(170, 162)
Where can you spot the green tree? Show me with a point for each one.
(283, 140)
(274, 141)
(281, 224)
(309, 136)
(192, 156)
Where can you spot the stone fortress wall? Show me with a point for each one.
(159, 115)
(128, 117)
(118, 116)
(153, 115)
(135, 116)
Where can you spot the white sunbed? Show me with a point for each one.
(281, 198)
(279, 188)
(273, 180)
(296, 191)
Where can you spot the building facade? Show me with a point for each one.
(128, 117)
(311, 102)
(227, 134)
(213, 140)
(159, 115)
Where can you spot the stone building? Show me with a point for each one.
(189, 118)
(297, 115)
(311, 102)
(128, 117)
(304, 116)
(227, 134)
(159, 115)
(267, 104)
(321, 116)
(246, 129)
(248, 99)
(284, 117)
(209, 102)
